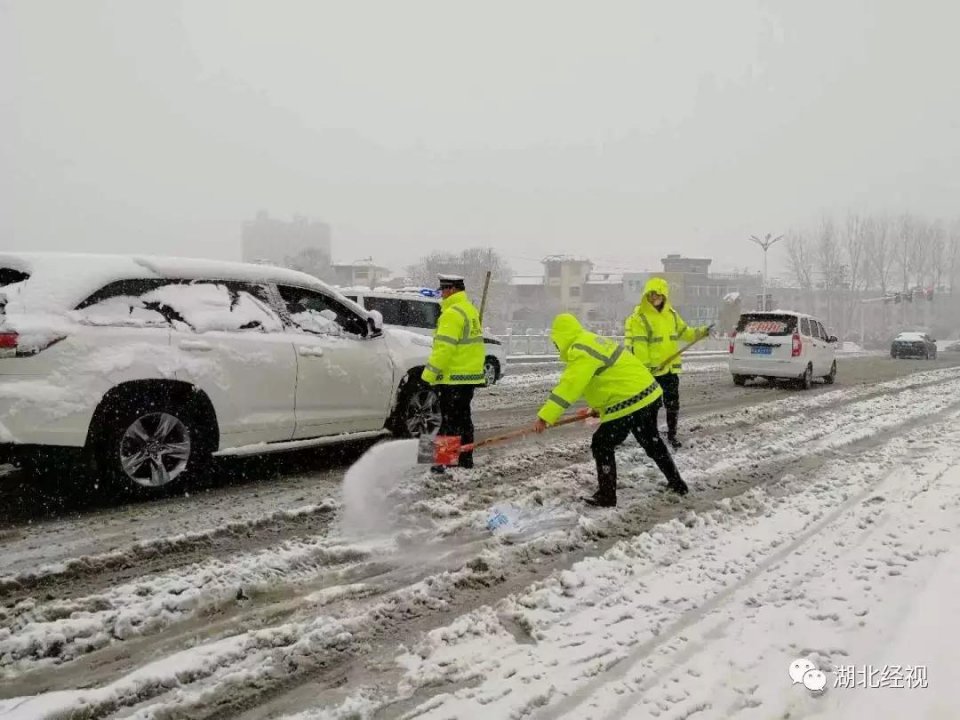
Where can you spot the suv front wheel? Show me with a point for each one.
(148, 444)
(418, 411)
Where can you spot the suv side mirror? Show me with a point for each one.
(375, 323)
(833, 339)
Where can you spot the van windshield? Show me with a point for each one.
(767, 324)
(405, 312)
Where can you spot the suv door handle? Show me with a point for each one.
(310, 351)
(196, 345)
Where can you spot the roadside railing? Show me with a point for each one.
(540, 345)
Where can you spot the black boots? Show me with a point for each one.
(606, 496)
(678, 486)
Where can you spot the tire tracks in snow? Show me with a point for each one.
(634, 515)
(87, 574)
(207, 700)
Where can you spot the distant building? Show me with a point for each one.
(565, 277)
(697, 294)
(677, 264)
(603, 299)
(299, 244)
(361, 273)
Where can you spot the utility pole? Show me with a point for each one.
(766, 244)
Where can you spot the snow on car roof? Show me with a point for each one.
(911, 335)
(791, 313)
(58, 281)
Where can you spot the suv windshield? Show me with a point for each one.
(767, 324)
(405, 312)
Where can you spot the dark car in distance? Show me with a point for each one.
(914, 345)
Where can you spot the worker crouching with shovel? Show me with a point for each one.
(620, 390)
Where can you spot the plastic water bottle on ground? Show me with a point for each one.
(497, 520)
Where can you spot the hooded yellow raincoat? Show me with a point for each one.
(599, 370)
(654, 335)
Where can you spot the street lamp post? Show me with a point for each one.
(766, 244)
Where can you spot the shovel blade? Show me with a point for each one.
(439, 450)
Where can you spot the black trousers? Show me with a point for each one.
(456, 417)
(671, 401)
(643, 425)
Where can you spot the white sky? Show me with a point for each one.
(621, 130)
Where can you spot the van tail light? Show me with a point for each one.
(797, 346)
(9, 341)
(732, 338)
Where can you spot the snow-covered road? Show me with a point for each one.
(814, 522)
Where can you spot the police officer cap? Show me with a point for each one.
(451, 281)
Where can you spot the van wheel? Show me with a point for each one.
(739, 380)
(149, 444)
(806, 380)
(832, 377)
(491, 371)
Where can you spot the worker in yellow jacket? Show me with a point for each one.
(621, 392)
(653, 332)
(455, 366)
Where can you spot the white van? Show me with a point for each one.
(418, 310)
(782, 344)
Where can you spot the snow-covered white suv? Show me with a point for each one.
(782, 344)
(418, 310)
(152, 365)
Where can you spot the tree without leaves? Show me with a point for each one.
(311, 261)
(905, 231)
(854, 249)
(800, 259)
(880, 251)
(936, 255)
(953, 254)
(472, 264)
(829, 261)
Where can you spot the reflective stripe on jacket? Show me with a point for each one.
(601, 371)
(458, 353)
(654, 335)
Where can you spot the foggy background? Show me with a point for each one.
(624, 130)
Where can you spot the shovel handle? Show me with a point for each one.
(682, 350)
(579, 416)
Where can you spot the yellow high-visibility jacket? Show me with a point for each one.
(654, 335)
(601, 371)
(458, 353)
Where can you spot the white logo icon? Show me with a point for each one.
(804, 672)
(814, 681)
(799, 668)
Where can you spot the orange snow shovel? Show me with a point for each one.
(446, 449)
